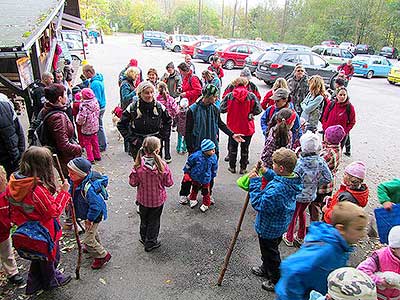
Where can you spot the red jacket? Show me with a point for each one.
(30, 201)
(241, 106)
(5, 222)
(192, 87)
(218, 70)
(251, 87)
(359, 197)
(338, 116)
(267, 101)
(348, 70)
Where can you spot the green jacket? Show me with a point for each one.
(389, 191)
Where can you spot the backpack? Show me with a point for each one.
(101, 190)
(324, 105)
(38, 129)
(190, 80)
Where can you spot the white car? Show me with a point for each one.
(76, 43)
(175, 41)
(349, 46)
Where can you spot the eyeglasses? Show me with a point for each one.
(300, 71)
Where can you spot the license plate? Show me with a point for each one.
(263, 68)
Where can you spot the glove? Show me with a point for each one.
(186, 177)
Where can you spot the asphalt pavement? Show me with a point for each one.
(194, 244)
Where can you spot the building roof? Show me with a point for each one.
(23, 20)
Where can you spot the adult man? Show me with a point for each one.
(38, 97)
(12, 138)
(173, 80)
(188, 61)
(347, 69)
(191, 86)
(95, 81)
(298, 86)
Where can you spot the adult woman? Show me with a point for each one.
(58, 130)
(267, 101)
(127, 88)
(30, 194)
(144, 117)
(191, 86)
(298, 86)
(216, 67)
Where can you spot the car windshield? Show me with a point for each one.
(270, 56)
(361, 46)
(386, 49)
(361, 58)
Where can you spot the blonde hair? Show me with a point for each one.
(286, 158)
(132, 72)
(144, 85)
(240, 81)
(149, 147)
(3, 179)
(317, 85)
(280, 83)
(346, 212)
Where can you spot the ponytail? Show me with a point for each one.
(149, 147)
(281, 134)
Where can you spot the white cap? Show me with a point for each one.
(310, 142)
(394, 237)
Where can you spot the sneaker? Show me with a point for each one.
(155, 246)
(268, 286)
(298, 241)
(16, 279)
(287, 242)
(98, 159)
(242, 171)
(138, 209)
(203, 208)
(100, 262)
(183, 200)
(168, 160)
(226, 158)
(232, 170)
(258, 271)
(348, 154)
(192, 203)
(212, 200)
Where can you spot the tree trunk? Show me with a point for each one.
(222, 14)
(284, 19)
(234, 18)
(199, 17)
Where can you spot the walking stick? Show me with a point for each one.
(235, 236)
(74, 222)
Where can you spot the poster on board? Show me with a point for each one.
(25, 71)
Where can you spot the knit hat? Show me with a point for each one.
(87, 93)
(75, 89)
(184, 102)
(143, 86)
(356, 169)
(133, 63)
(170, 65)
(80, 166)
(394, 237)
(310, 142)
(334, 134)
(207, 144)
(246, 73)
(280, 93)
(210, 90)
(351, 284)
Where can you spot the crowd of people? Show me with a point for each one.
(305, 127)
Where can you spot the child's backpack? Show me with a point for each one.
(33, 241)
(100, 189)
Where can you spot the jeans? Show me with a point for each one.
(244, 152)
(271, 257)
(149, 224)
(101, 134)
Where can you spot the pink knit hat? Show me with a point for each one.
(87, 94)
(356, 169)
(334, 134)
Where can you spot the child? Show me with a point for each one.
(312, 105)
(267, 101)
(88, 118)
(89, 195)
(6, 253)
(172, 108)
(200, 168)
(152, 77)
(389, 193)
(30, 193)
(279, 134)
(331, 154)
(151, 175)
(181, 125)
(382, 265)
(314, 171)
(68, 70)
(77, 96)
(352, 189)
(347, 283)
(326, 248)
(275, 206)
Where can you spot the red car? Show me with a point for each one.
(234, 55)
(188, 48)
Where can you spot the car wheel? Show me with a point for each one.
(210, 58)
(391, 82)
(148, 44)
(230, 64)
(370, 74)
(177, 49)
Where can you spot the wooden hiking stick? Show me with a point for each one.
(74, 222)
(235, 236)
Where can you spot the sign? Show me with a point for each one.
(25, 71)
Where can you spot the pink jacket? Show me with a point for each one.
(150, 184)
(384, 261)
(170, 104)
(88, 116)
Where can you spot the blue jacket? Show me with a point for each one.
(323, 251)
(127, 92)
(91, 206)
(200, 167)
(314, 172)
(96, 83)
(275, 204)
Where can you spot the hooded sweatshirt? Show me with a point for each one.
(241, 106)
(88, 116)
(96, 83)
(323, 251)
(358, 197)
(338, 115)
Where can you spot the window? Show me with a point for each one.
(157, 35)
(185, 39)
(304, 59)
(291, 59)
(346, 54)
(233, 49)
(318, 61)
(335, 52)
(253, 50)
(242, 49)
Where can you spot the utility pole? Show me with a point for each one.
(284, 20)
(234, 18)
(199, 17)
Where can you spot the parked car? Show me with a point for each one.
(371, 65)
(76, 43)
(175, 41)
(394, 75)
(188, 48)
(234, 55)
(348, 46)
(364, 49)
(298, 48)
(333, 55)
(210, 38)
(253, 60)
(389, 52)
(328, 43)
(206, 51)
(282, 65)
(153, 38)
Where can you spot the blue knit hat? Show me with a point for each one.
(207, 144)
(80, 166)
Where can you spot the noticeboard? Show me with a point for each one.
(25, 71)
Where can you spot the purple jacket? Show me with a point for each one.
(181, 121)
(170, 104)
(88, 116)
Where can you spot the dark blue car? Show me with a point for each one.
(205, 52)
